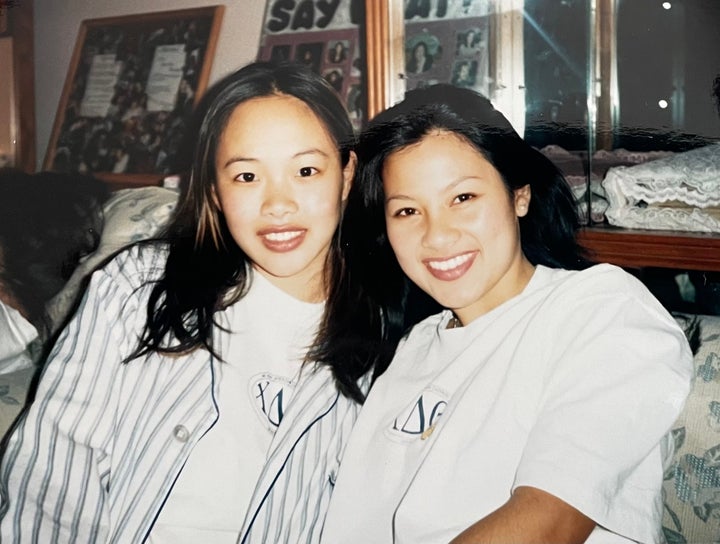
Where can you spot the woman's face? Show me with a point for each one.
(282, 187)
(420, 51)
(453, 226)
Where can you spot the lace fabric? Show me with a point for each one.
(679, 192)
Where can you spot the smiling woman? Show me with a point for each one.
(471, 212)
(278, 169)
(231, 308)
(538, 419)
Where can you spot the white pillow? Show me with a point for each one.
(129, 215)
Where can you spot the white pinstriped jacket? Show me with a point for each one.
(96, 455)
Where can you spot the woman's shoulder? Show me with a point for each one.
(601, 278)
(602, 289)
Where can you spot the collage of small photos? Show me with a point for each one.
(332, 53)
(447, 50)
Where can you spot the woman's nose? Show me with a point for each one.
(439, 232)
(278, 200)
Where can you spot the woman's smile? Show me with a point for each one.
(452, 268)
(282, 239)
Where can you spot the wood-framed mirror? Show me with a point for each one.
(571, 73)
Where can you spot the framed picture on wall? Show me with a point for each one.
(129, 94)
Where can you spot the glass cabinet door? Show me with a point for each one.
(556, 40)
(668, 54)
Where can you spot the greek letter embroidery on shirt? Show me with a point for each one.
(420, 419)
(269, 395)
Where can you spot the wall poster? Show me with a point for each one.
(327, 36)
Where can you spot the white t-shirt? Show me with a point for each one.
(16, 334)
(271, 334)
(570, 387)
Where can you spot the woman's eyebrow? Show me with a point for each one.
(397, 197)
(312, 151)
(232, 160)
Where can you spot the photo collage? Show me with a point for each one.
(446, 51)
(334, 54)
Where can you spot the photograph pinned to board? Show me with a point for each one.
(129, 94)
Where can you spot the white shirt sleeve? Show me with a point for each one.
(616, 359)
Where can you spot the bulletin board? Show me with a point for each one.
(129, 94)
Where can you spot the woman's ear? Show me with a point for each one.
(522, 200)
(348, 174)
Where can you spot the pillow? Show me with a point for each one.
(129, 215)
(134, 214)
(691, 491)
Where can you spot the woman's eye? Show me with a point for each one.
(307, 171)
(245, 176)
(464, 197)
(403, 212)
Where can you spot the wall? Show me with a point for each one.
(56, 28)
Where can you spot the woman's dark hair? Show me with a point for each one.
(547, 231)
(48, 222)
(206, 270)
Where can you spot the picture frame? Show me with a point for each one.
(131, 87)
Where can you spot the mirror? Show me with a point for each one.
(591, 83)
